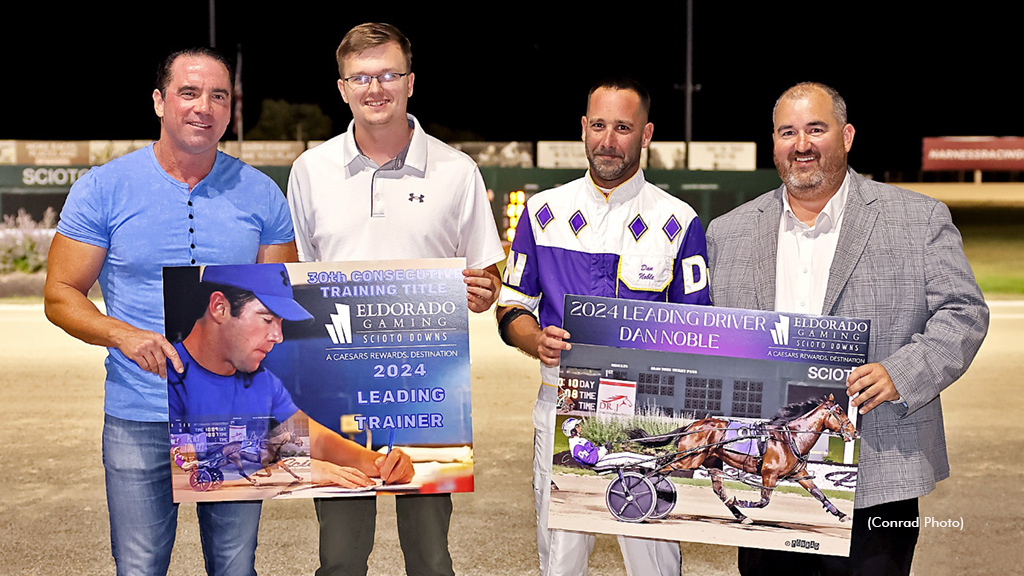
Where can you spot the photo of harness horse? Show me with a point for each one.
(264, 450)
(774, 450)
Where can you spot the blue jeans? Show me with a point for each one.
(144, 517)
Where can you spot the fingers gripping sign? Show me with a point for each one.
(550, 343)
(171, 356)
(481, 287)
(150, 351)
(870, 385)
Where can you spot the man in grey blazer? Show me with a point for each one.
(831, 242)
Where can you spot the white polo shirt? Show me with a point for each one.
(431, 203)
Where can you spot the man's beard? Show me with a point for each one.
(806, 184)
(610, 170)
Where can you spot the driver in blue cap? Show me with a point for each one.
(225, 392)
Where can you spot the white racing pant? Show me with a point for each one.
(566, 553)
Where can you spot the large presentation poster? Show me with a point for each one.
(705, 424)
(293, 370)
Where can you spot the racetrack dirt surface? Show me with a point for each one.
(53, 510)
(700, 515)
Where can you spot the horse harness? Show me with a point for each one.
(764, 433)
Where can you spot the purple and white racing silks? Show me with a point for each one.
(638, 243)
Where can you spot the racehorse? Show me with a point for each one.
(788, 437)
(263, 451)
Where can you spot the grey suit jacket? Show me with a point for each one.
(900, 263)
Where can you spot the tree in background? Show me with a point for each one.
(281, 120)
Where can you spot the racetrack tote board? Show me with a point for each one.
(640, 372)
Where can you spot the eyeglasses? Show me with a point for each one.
(362, 80)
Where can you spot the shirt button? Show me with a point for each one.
(189, 202)
(189, 216)
(190, 230)
(192, 245)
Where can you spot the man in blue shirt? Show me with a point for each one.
(178, 202)
(223, 380)
(224, 386)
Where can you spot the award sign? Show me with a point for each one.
(706, 424)
(301, 379)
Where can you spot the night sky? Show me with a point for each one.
(86, 72)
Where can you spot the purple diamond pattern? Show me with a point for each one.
(672, 228)
(637, 227)
(544, 216)
(577, 222)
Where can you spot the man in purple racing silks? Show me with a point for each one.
(611, 234)
(582, 450)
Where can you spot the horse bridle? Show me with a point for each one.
(844, 421)
(791, 442)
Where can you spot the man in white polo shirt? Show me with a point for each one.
(386, 190)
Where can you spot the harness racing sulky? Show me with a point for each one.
(206, 474)
(775, 450)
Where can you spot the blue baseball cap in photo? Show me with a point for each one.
(269, 282)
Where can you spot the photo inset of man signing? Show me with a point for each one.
(237, 415)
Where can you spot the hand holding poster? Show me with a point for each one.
(296, 373)
(694, 423)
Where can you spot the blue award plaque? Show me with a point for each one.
(376, 353)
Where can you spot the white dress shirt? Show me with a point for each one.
(805, 255)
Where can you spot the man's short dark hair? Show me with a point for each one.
(236, 297)
(372, 35)
(624, 83)
(163, 73)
